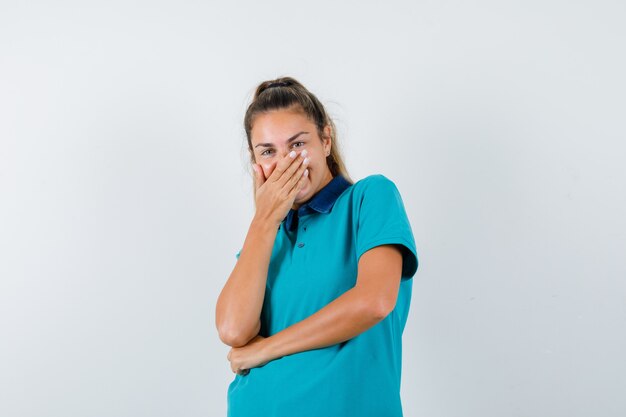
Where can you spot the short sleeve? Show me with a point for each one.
(382, 220)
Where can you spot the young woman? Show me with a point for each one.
(316, 304)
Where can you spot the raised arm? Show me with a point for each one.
(238, 308)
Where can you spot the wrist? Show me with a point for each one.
(264, 224)
(270, 348)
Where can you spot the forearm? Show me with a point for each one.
(239, 305)
(344, 318)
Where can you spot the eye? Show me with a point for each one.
(265, 152)
(301, 143)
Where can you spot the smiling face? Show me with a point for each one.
(276, 133)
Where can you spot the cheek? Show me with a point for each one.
(316, 161)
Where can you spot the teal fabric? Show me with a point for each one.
(310, 267)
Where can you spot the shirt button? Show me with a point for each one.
(300, 244)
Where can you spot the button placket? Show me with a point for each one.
(301, 244)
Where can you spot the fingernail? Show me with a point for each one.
(306, 173)
(304, 153)
(292, 154)
(306, 161)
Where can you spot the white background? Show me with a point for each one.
(125, 194)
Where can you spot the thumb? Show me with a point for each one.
(258, 175)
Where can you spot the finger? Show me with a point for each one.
(292, 171)
(293, 168)
(293, 180)
(259, 177)
(282, 166)
(299, 184)
(240, 371)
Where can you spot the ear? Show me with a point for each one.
(327, 139)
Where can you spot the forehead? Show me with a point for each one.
(277, 126)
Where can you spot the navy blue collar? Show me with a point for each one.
(321, 202)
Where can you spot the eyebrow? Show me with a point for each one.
(291, 139)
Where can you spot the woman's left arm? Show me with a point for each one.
(355, 311)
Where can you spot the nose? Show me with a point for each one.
(287, 149)
(284, 151)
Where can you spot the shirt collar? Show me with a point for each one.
(321, 202)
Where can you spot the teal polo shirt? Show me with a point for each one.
(314, 260)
